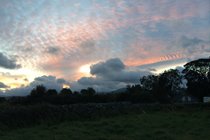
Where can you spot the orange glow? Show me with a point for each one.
(66, 86)
(131, 62)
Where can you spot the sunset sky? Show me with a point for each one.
(104, 44)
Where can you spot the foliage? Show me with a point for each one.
(197, 74)
(120, 121)
(65, 91)
(164, 86)
(168, 85)
(40, 90)
(148, 82)
(88, 92)
(51, 92)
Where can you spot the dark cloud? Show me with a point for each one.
(109, 75)
(115, 70)
(2, 85)
(105, 68)
(53, 50)
(9, 63)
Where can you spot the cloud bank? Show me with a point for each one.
(106, 76)
(50, 82)
(109, 75)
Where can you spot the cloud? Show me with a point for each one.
(50, 82)
(162, 64)
(106, 68)
(190, 42)
(53, 50)
(8, 63)
(109, 75)
(195, 47)
(115, 70)
(21, 91)
(2, 85)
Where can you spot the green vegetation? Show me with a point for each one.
(155, 125)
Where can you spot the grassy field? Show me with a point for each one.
(160, 125)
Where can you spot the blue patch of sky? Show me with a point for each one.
(160, 31)
(201, 22)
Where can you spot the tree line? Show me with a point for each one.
(167, 87)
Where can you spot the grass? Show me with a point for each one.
(155, 125)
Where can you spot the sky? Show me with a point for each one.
(104, 44)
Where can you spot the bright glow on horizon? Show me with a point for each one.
(66, 86)
(19, 77)
(85, 69)
(161, 70)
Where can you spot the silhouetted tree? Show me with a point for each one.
(148, 82)
(134, 89)
(88, 92)
(200, 66)
(76, 93)
(197, 75)
(137, 94)
(163, 86)
(91, 91)
(40, 90)
(170, 81)
(83, 91)
(66, 91)
(51, 92)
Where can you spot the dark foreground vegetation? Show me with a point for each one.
(106, 122)
(23, 116)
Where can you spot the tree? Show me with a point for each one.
(197, 74)
(164, 86)
(134, 89)
(40, 90)
(170, 81)
(200, 66)
(148, 82)
(66, 91)
(83, 91)
(51, 92)
(88, 92)
(91, 91)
